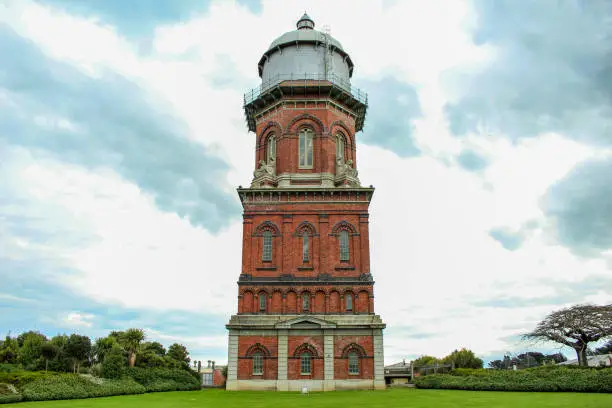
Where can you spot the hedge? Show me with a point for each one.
(71, 386)
(163, 379)
(540, 379)
(8, 393)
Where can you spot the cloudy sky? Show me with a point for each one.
(122, 140)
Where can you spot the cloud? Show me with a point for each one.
(471, 161)
(110, 122)
(508, 239)
(393, 107)
(581, 207)
(75, 319)
(548, 71)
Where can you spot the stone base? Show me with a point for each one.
(298, 385)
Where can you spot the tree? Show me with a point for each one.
(101, 347)
(30, 349)
(130, 340)
(575, 327)
(425, 361)
(78, 348)
(49, 351)
(151, 355)
(9, 350)
(463, 358)
(179, 353)
(114, 362)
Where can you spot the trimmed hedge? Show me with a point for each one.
(163, 379)
(541, 379)
(70, 386)
(8, 393)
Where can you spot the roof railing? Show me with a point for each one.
(335, 79)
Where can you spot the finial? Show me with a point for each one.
(305, 23)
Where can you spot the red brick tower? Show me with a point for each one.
(305, 295)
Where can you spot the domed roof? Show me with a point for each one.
(305, 33)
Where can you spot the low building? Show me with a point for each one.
(398, 373)
(212, 376)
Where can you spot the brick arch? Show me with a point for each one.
(334, 301)
(306, 347)
(344, 226)
(267, 226)
(267, 130)
(247, 301)
(276, 301)
(306, 118)
(353, 347)
(258, 347)
(291, 302)
(305, 227)
(319, 302)
(346, 132)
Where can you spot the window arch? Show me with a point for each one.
(257, 353)
(267, 230)
(306, 137)
(271, 148)
(340, 147)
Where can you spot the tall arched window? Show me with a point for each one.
(257, 363)
(344, 245)
(339, 147)
(266, 255)
(349, 302)
(305, 363)
(271, 148)
(305, 151)
(306, 302)
(353, 363)
(305, 247)
(262, 302)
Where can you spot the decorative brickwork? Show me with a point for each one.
(305, 304)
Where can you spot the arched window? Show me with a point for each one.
(344, 245)
(257, 363)
(262, 302)
(349, 302)
(305, 249)
(339, 147)
(353, 363)
(266, 255)
(271, 148)
(305, 363)
(306, 302)
(305, 159)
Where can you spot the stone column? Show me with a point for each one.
(232, 362)
(282, 384)
(379, 360)
(329, 384)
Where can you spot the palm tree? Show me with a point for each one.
(130, 340)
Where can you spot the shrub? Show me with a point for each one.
(114, 363)
(535, 379)
(70, 386)
(163, 379)
(8, 393)
(21, 378)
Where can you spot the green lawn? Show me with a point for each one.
(387, 399)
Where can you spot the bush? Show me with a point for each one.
(114, 363)
(548, 378)
(21, 378)
(8, 393)
(163, 379)
(70, 386)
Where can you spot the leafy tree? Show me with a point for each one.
(151, 355)
(78, 348)
(179, 353)
(575, 327)
(102, 346)
(496, 364)
(61, 362)
(463, 358)
(114, 362)
(9, 350)
(130, 340)
(49, 351)
(425, 361)
(30, 349)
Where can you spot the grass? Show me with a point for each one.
(404, 398)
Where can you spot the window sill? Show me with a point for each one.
(354, 374)
(306, 374)
(345, 268)
(258, 374)
(305, 268)
(266, 268)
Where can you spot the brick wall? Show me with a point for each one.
(366, 363)
(294, 361)
(245, 362)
